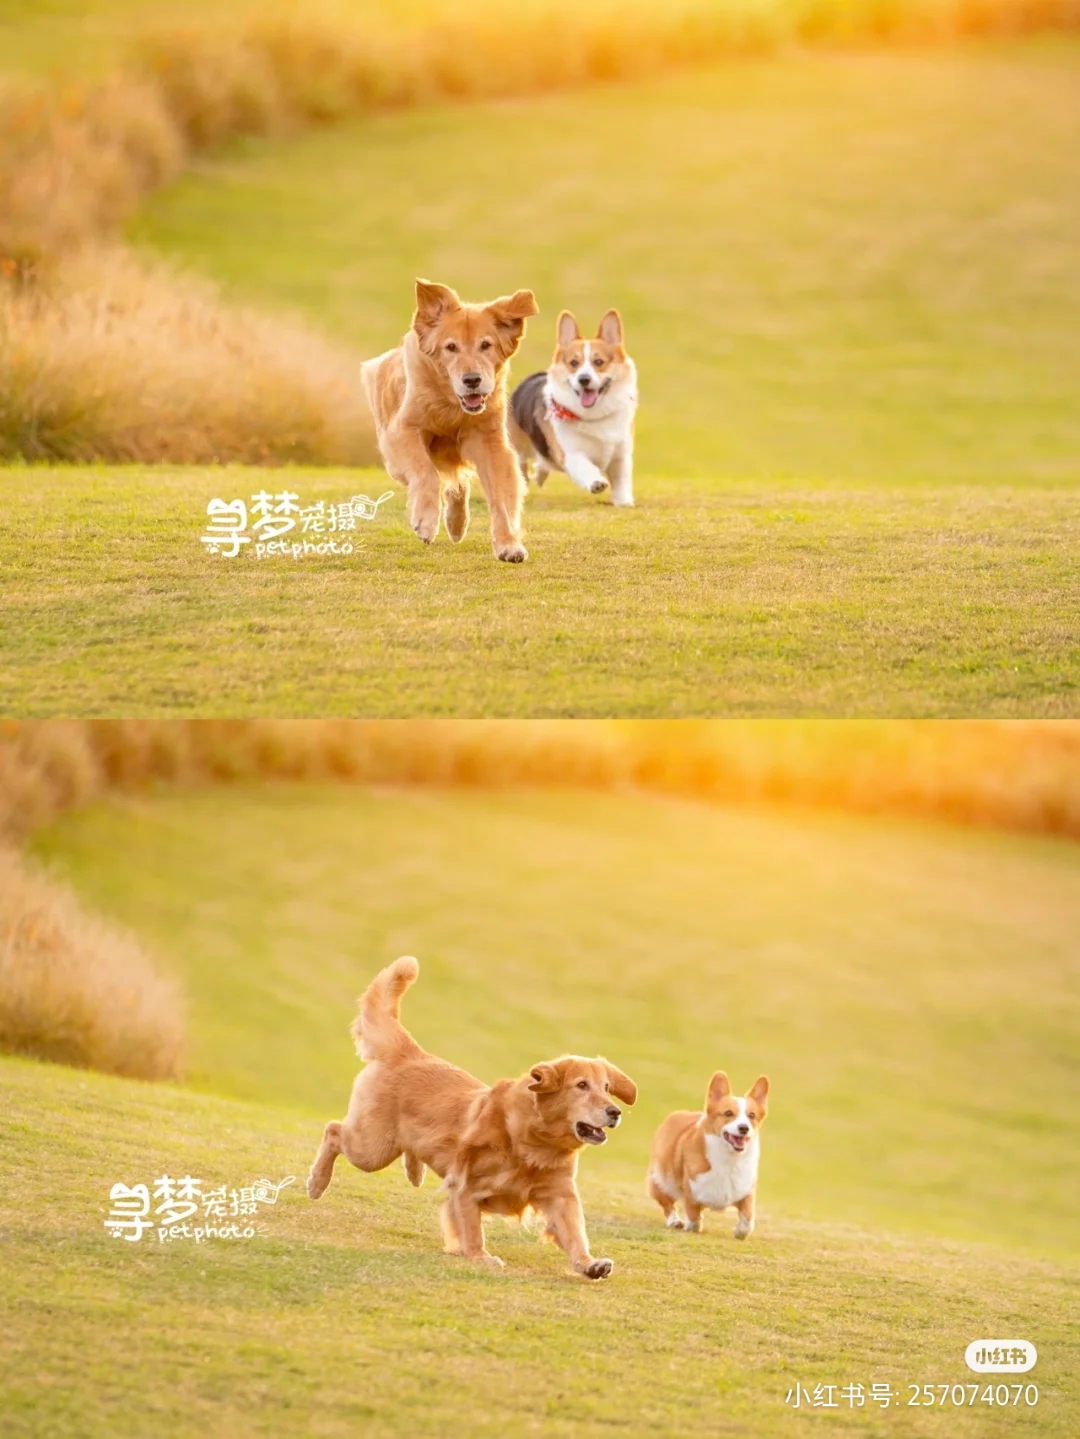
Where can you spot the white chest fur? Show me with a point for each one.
(729, 1177)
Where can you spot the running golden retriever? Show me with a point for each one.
(439, 402)
(499, 1150)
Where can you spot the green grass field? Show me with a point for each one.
(753, 599)
(849, 284)
(910, 989)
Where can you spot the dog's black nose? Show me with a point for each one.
(614, 1114)
(584, 382)
(471, 382)
(744, 1129)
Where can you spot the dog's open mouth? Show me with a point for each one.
(472, 404)
(589, 397)
(590, 1133)
(737, 1141)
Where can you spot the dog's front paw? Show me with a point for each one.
(744, 1229)
(598, 487)
(674, 1222)
(426, 525)
(492, 1261)
(693, 1226)
(315, 1185)
(599, 1269)
(513, 554)
(622, 504)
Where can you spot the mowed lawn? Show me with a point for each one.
(910, 989)
(743, 598)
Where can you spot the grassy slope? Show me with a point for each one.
(779, 598)
(857, 267)
(872, 968)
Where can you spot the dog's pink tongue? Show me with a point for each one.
(588, 398)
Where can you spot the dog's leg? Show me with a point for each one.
(504, 489)
(322, 1168)
(585, 474)
(415, 1169)
(408, 462)
(448, 1224)
(666, 1203)
(467, 1222)
(693, 1216)
(457, 507)
(621, 473)
(566, 1225)
(745, 1225)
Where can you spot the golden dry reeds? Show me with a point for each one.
(76, 158)
(77, 990)
(110, 358)
(1009, 775)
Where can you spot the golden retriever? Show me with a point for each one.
(439, 402)
(499, 1149)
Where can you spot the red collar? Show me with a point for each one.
(560, 412)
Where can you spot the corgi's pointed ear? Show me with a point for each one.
(610, 330)
(544, 1078)
(566, 329)
(622, 1086)
(432, 302)
(759, 1090)
(719, 1089)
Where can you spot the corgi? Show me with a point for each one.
(710, 1160)
(578, 416)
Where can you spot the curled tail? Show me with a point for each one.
(377, 1030)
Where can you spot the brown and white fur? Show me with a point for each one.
(710, 1160)
(499, 1149)
(439, 402)
(578, 417)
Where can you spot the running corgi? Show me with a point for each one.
(578, 416)
(710, 1160)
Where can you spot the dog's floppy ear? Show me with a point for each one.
(760, 1089)
(610, 330)
(432, 302)
(510, 313)
(566, 330)
(545, 1079)
(719, 1089)
(622, 1086)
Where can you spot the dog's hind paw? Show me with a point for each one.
(599, 1269)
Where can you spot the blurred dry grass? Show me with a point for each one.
(76, 158)
(1011, 775)
(114, 359)
(76, 990)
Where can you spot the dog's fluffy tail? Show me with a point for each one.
(377, 1030)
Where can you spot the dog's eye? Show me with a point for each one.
(598, 364)
(583, 1084)
(574, 364)
(485, 344)
(729, 1114)
(607, 1088)
(451, 347)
